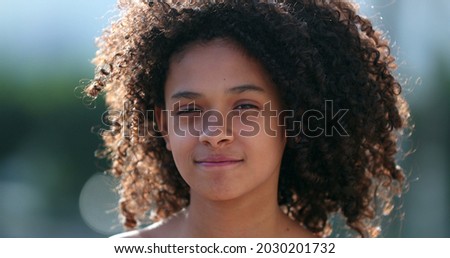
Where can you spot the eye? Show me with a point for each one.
(246, 106)
(187, 110)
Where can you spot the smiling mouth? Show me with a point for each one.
(218, 163)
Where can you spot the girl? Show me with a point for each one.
(249, 118)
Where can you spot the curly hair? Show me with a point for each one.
(314, 50)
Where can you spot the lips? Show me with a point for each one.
(211, 161)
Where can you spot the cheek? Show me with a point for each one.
(181, 143)
(260, 126)
(273, 136)
(263, 135)
(182, 148)
(263, 144)
(182, 140)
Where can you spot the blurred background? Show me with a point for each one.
(51, 185)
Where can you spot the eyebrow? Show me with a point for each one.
(235, 90)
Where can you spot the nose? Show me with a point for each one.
(216, 132)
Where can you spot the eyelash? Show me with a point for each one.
(249, 106)
(189, 110)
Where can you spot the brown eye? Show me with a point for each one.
(188, 110)
(246, 106)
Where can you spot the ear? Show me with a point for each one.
(161, 122)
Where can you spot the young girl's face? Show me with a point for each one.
(222, 122)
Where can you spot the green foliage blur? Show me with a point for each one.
(46, 145)
(47, 139)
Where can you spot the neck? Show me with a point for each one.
(252, 216)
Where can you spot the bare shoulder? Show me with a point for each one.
(149, 231)
(292, 229)
(297, 232)
(128, 234)
(161, 229)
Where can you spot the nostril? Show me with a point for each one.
(216, 137)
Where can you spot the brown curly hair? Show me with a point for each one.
(314, 50)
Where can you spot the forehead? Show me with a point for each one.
(214, 67)
(205, 44)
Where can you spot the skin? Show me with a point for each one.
(233, 177)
